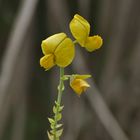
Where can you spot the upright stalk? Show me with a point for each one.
(58, 108)
(60, 86)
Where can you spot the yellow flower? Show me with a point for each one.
(80, 29)
(58, 50)
(78, 83)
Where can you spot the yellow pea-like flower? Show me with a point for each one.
(78, 83)
(80, 29)
(58, 49)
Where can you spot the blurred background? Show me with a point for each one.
(110, 110)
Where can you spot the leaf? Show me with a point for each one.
(52, 132)
(52, 126)
(51, 137)
(54, 109)
(59, 116)
(51, 120)
(59, 132)
(60, 108)
(57, 104)
(58, 125)
(61, 87)
(65, 77)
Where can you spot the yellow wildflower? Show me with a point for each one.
(78, 83)
(58, 49)
(80, 29)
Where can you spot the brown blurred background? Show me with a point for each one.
(110, 110)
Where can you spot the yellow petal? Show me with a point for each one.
(80, 29)
(93, 43)
(47, 61)
(79, 86)
(64, 53)
(50, 44)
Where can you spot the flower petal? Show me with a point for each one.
(93, 43)
(79, 85)
(64, 53)
(51, 43)
(47, 61)
(80, 29)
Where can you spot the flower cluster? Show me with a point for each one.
(59, 49)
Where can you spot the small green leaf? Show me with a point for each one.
(58, 87)
(57, 104)
(65, 77)
(61, 87)
(54, 109)
(52, 132)
(58, 125)
(60, 108)
(59, 116)
(59, 132)
(51, 137)
(52, 126)
(51, 120)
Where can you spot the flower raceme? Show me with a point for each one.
(58, 50)
(78, 83)
(80, 29)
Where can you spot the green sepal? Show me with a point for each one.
(78, 76)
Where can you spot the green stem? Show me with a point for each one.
(61, 86)
(59, 97)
